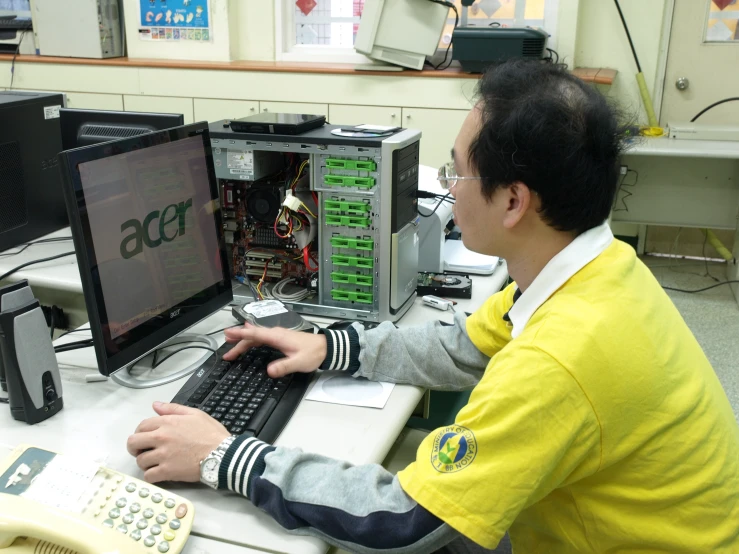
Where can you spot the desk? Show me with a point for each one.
(98, 417)
(685, 183)
(55, 282)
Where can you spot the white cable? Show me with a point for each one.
(277, 292)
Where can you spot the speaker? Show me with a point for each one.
(12, 296)
(31, 369)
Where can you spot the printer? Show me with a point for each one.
(435, 223)
(432, 232)
(436, 254)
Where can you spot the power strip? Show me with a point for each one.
(695, 131)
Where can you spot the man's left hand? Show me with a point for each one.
(170, 447)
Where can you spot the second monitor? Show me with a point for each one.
(88, 127)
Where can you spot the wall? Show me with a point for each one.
(601, 42)
(218, 49)
(590, 35)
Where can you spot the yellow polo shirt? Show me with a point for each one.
(600, 428)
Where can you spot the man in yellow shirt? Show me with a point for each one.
(595, 425)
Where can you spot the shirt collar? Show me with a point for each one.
(576, 255)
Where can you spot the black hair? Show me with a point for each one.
(546, 128)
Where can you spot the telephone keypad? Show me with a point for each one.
(144, 513)
(158, 520)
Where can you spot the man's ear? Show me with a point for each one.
(517, 200)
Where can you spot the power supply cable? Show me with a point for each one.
(34, 262)
(724, 101)
(451, 6)
(703, 289)
(29, 244)
(12, 64)
(441, 201)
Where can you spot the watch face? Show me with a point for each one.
(209, 470)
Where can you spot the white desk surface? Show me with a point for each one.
(98, 417)
(61, 274)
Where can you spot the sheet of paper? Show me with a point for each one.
(340, 388)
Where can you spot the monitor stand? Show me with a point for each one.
(141, 375)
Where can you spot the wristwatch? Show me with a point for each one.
(211, 465)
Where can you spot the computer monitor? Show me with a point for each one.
(147, 229)
(400, 32)
(18, 8)
(88, 127)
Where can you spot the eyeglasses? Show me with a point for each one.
(448, 176)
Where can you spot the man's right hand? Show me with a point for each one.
(303, 352)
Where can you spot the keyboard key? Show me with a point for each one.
(234, 411)
(239, 405)
(262, 415)
(207, 409)
(220, 410)
(237, 429)
(229, 417)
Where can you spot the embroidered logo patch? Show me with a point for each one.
(454, 449)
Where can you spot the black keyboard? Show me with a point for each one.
(12, 23)
(242, 396)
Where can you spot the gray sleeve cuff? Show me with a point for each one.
(342, 350)
(242, 463)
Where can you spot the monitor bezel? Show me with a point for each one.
(139, 341)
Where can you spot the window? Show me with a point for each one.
(319, 30)
(324, 30)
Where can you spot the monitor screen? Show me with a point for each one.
(147, 221)
(18, 8)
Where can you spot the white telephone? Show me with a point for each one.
(55, 503)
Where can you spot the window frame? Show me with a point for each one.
(286, 50)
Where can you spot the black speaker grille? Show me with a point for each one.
(13, 209)
(112, 132)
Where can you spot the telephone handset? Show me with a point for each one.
(48, 501)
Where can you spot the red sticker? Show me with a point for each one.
(722, 3)
(306, 6)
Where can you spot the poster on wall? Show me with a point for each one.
(175, 20)
(722, 24)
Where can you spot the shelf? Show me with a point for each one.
(597, 76)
